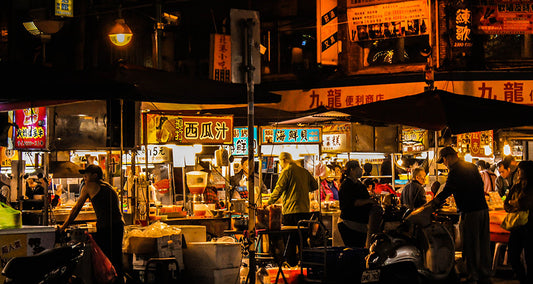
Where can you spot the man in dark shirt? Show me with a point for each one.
(466, 185)
(413, 193)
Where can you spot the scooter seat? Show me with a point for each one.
(32, 269)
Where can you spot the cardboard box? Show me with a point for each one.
(151, 245)
(212, 255)
(213, 276)
(193, 233)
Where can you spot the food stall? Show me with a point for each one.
(199, 134)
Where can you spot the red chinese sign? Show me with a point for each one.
(30, 133)
(478, 144)
(220, 65)
(186, 130)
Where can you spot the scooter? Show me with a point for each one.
(55, 265)
(419, 250)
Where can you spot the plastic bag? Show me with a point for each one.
(514, 220)
(9, 217)
(103, 270)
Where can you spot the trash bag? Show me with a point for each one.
(103, 270)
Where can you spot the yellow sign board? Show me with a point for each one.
(64, 8)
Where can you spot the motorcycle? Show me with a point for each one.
(55, 265)
(420, 250)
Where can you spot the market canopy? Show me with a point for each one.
(28, 85)
(437, 110)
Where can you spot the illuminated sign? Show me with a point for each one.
(336, 138)
(477, 144)
(240, 141)
(64, 8)
(414, 140)
(30, 133)
(186, 130)
(275, 135)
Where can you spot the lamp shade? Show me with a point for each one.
(120, 34)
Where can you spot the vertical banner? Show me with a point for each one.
(220, 58)
(327, 30)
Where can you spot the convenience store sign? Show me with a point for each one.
(187, 130)
(30, 132)
(275, 135)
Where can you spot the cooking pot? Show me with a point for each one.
(240, 223)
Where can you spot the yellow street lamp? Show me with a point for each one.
(120, 34)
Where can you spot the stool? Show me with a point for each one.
(498, 249)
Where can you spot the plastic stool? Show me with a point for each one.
(158, 270)
(498, 248)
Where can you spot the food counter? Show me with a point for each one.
(214, 226)
(61, 213)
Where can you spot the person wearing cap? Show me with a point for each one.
(109, 221)
(355, 205)
(466, 185)
(293, 187)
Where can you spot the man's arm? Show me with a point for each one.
(76, 209)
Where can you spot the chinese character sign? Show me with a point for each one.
(478, 144)
(186, 130)
(414, 140)
(271, 135)
(391, 20)
(240, 141)
(63, 8)
(220, 63)
(31, 127)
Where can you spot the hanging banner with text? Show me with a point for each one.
(477, 144)
(515, 91)
(390, 20)
(286, 135)
(220, 58)
(327, 32)
(30, 133)
(186, 130)
(414, 140)
(336, 138)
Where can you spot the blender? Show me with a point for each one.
(197, 181)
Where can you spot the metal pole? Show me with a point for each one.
(249, 68)
(121, 195)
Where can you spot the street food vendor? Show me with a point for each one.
(109, 221)
(329, 187)
(240, 181)
(33, 188)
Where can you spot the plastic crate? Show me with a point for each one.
(313, 260)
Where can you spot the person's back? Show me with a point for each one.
(298, 183)
(106, 207)
(465, 182)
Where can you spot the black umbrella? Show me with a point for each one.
(437, 109)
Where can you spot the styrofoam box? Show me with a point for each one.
(212, 255)
(214, 276)
(193, 233)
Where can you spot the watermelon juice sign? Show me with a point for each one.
(30, 132)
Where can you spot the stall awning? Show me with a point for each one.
(34, 85)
